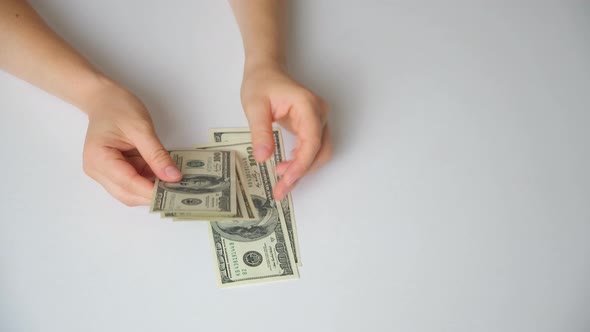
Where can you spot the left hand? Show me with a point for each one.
(269, 95)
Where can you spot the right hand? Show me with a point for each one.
(122, 151)
(269, 94)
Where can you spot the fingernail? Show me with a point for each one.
(173, 172)
(261, 152)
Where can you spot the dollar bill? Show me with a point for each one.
(208, 186)
(253, 251)
(249, 209)
(245, 208)
(243, 135)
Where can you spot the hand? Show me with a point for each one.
(122, 151)
(268, 95)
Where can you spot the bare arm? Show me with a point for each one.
(31, 51)
(262, 24)
(121, 151)
(269, 94)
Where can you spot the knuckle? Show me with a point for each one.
(254, 106)
(247, 100)
(245, 93)
(307, 95)
(124, 198)
(324, 106)
(118, 194)
(88, 164)
(87, 169)
(328, 155)
(141, 125)
(159, 156)
(262, 133)
(130, 183)
(127, 185)
(315, 142)
(129, 202)
(314, 105)
(312, 99)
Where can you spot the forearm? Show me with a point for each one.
(30, 50)
(262, 24)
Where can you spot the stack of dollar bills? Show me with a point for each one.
(253, 236)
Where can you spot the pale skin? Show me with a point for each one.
(122, 151)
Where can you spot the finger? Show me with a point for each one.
(260, 121)
(280, 193)
(155, 155)
(118, 192)
(125, 176)
(282, 168)
(136, 160)
(111, 164)
(325, 153)
(122, 195)
(322, 157)
(309, 143)
(323, 112)
(148, 173)
(320, 108)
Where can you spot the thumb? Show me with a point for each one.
(156, 156)
(260, 122)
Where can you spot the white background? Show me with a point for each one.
(458, 198)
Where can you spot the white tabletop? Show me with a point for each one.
(458, 198)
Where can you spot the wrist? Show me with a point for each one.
(256, 63)
(98, 91)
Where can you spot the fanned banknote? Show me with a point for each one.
(253, 251)
(243, 135)
(245, 209)
(208, 186)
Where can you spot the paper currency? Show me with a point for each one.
(243, 135)
(253, 237)
(208, 186)
(253, 251)
(245, 208)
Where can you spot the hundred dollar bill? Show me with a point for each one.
(253, 251)
(245, 209)
(208, 186)
(243, 135)
(187, 216)
(246, 199)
